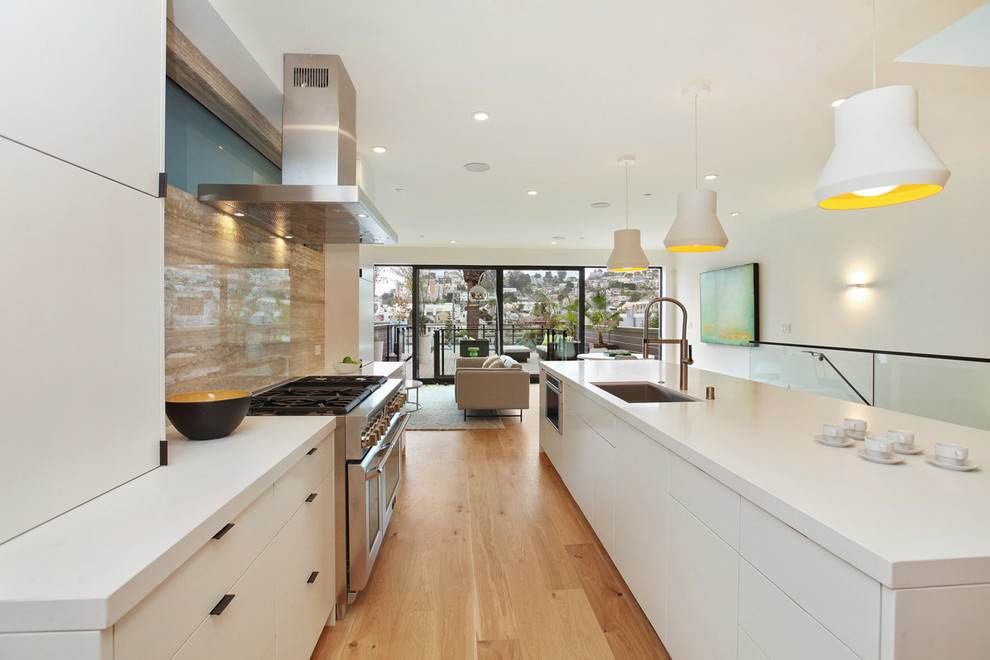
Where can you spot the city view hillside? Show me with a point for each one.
(545, 297)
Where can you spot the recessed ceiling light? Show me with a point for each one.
(837, 102)
(711, 177)
(452, 241)
(553, 242)
(361, 215)
(559, 238)
(735, 214)
(239, 214)
(422, 236)
(530, 192)
(647, 194)
(600, 205)
(481, 115)
(220, 147)
(289, 236)
(400, 190)
(477, 167)
(379, 149)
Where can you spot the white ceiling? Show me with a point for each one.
(573, 84)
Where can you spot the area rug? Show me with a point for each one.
(440, 413)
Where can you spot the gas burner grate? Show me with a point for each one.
(320, 395)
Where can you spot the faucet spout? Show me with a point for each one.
(686, 358)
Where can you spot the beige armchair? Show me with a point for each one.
(477, 388)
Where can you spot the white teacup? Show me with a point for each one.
(877, 447)
(855, 426)
(951, 453)
(903, 440)
(834, 432)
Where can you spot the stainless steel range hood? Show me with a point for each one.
(319, 200)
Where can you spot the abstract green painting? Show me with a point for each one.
(730, 305)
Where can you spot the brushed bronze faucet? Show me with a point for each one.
(685, 348)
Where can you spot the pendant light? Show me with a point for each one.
(478, 293)
(880, 156)
(696, 227)
(627, 254)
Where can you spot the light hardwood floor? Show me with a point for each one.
(488, 556)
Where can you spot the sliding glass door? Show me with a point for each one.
(439, 313)
(457, 314)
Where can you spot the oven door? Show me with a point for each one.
(371, 492)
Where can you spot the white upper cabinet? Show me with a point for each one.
(82, 337)
(84, 82)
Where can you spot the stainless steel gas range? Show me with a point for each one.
(367, 461)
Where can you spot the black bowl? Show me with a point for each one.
(207, 415)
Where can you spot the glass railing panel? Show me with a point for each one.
(954, 391)
(815, 370)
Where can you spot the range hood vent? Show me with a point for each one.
(309, 77)
(319, 200)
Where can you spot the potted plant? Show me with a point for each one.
(601, 320)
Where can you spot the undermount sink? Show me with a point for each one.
(643, 392)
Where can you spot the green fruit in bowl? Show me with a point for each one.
(348, 360)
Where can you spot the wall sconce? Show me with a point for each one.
(858, 290)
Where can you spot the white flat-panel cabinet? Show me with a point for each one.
(702, 589)
(778, 626)
(603, 491)
(640, 551)
(83, 377)
(586, 463)
(748, 650)
(84, 82)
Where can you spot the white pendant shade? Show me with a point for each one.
(880, 156)
(478, 293)
(696, 227)
(627, 255)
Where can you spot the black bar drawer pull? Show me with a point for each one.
(312, 577)
(312, 451)
(312, 496)
(222, 605)
(226, 528)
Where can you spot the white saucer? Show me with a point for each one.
(908, 452)
(886, 461)
(820, 439)
(965, 467)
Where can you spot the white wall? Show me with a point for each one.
(926, 261)
(342, 303)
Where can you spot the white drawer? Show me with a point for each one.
(601, 420)
(713, 503)
(301, 629)
(292, 489)
(245, 628)
(778, 626)
(844, 600)
(158, 625)
(299, 547)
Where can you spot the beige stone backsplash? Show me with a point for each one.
(242, 310)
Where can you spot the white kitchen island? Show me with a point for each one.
(742, 537)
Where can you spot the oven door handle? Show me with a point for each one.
(385, 451)
(399, 425)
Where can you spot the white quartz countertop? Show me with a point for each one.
(907, 525)
(386, 369)
(86, 568)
